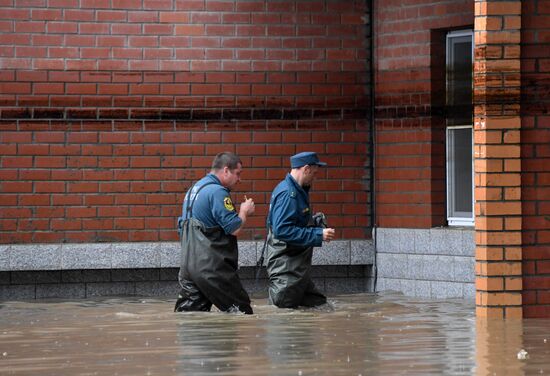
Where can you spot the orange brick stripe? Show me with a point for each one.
(497, 159)
(535, 134)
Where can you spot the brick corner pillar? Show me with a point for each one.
(497, 125)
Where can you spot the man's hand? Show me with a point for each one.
(246, 209)
(247, 206)
(328, 234)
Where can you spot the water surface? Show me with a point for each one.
(364, 334)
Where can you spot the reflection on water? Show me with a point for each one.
(355, 335)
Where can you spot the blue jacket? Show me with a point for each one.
(289, 215)
(213, 205)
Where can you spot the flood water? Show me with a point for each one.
(363, 334)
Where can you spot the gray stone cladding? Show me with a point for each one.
(76, 284)
(67, 271)
(434, 263)
(26, 257)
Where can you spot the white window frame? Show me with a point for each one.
(462, 220)
(455, 220)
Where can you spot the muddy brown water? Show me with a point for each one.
(363, 334)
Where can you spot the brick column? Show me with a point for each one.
(497, 158)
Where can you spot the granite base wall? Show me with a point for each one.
(79, 284)
(434, 263)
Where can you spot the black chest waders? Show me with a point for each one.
(208, 270)
(289, 271)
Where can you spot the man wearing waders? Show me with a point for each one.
(208, 228)
(292, 235)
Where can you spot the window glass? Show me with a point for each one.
(460, 152)
(459, 80)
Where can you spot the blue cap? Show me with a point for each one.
(305, 158)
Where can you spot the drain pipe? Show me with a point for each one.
(373, 144)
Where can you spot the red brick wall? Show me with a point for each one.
(535, 153)
(410, 172)
(111, 109)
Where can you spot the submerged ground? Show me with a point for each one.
(364, 334)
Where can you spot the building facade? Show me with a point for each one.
(432, 115)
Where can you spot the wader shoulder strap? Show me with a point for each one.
(189, 208)
(191, 203)
(260, 262)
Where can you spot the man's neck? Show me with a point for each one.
(295, 173)
(217, 176)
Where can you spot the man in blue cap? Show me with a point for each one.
(292, 236)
